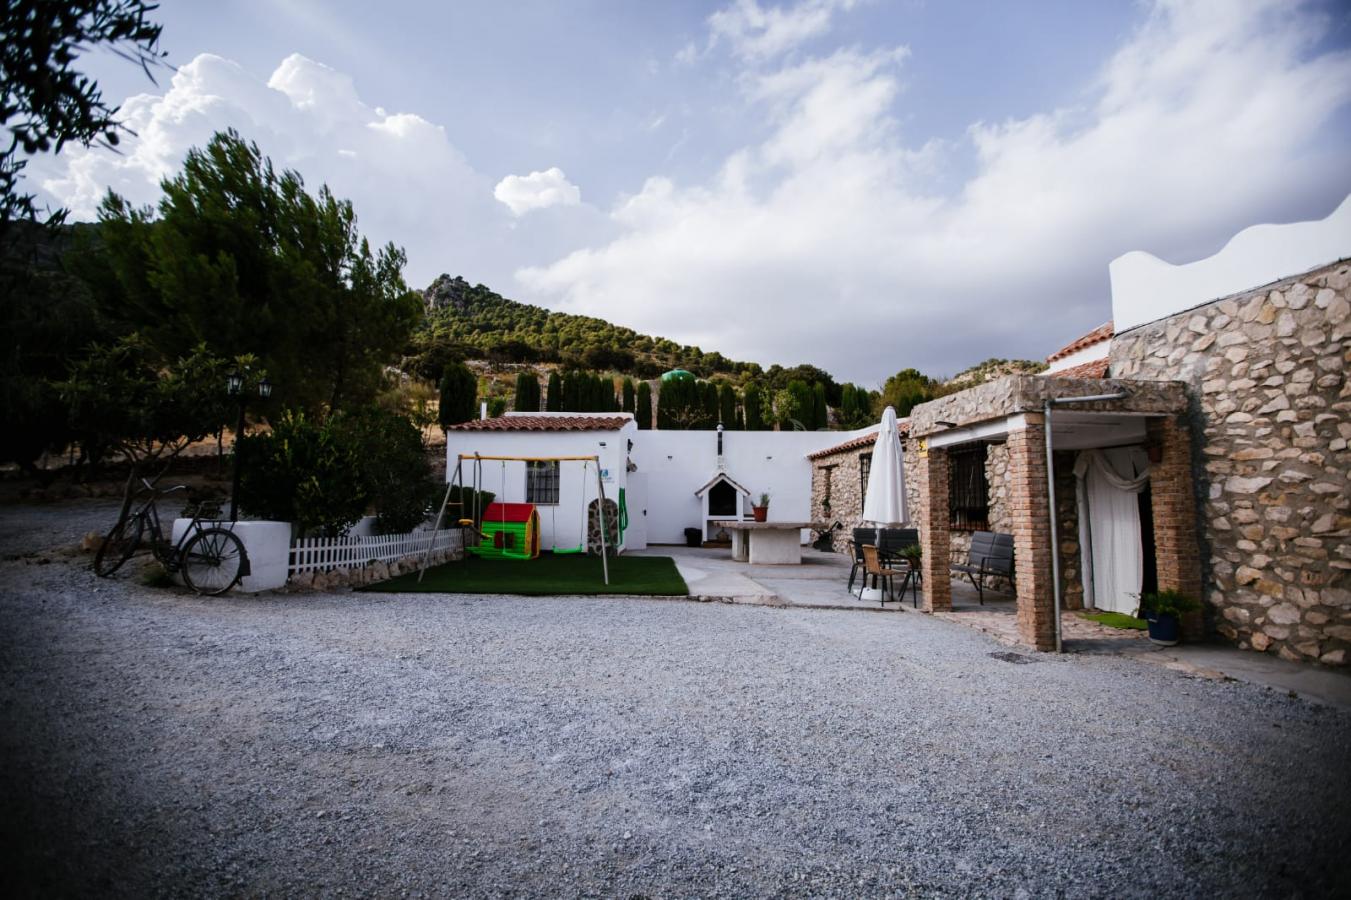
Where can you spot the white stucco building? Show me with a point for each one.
(660, 472)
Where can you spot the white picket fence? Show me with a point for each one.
(316, 554)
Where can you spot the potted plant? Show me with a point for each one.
(761, 511)
(1161, 611)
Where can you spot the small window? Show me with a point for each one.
(968, 490)
(865, 465)
(541, 483)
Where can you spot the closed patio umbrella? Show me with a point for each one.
(884, 502)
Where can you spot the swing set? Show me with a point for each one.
(514, 534)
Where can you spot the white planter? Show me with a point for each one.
(268, 545)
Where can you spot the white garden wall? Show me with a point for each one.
(676, 463)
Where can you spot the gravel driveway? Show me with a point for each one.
(156, 743)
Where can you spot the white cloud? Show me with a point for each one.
(407, 181)
(538, 190)
(758, 33)
(826, 242)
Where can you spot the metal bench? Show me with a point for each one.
(991, 555)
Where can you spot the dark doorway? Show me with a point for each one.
(722, 500)
(1149, 581)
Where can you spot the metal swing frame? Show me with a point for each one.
(478, 460)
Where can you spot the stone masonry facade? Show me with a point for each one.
(837, 491)
(838, 476)
(1266, 438)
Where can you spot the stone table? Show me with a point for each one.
(767, 543)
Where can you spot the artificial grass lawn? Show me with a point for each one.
(1116, 620)
(549, 574)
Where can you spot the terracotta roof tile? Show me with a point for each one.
(1094, 368)
(545, 423)
(1102, 333)
(858, 443)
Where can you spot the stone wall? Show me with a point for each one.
(837, 477)
(1270, 416)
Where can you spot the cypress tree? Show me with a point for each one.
(643, 405)
(820, 411)
(709, 398)
(554, 401)
(629, 395)
(459, 395)
(754, 402)
(527, 393)
(727, 406)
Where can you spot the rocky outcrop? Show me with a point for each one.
(447, 293)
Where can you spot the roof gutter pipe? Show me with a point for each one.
(1050, 495)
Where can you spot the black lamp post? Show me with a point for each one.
(234, 386)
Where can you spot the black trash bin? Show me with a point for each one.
(693, 537)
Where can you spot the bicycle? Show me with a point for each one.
(212, 558)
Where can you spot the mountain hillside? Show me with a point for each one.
(479, 323)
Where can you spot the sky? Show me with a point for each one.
(858, 184)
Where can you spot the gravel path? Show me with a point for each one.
(156, 743)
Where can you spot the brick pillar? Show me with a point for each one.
(1031, 534)
(1176, 550)
(933, 520)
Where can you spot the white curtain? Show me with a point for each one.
(1107, 483)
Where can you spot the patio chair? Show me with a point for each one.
(861, 536)
(882, 575)
(991, 555)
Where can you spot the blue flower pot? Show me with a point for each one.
(1162, 628)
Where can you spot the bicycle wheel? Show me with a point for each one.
(213, 561)
(118, 546)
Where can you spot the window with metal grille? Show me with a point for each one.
(865, 466)
(968, 490)
(541, 483)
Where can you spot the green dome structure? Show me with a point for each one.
(678, 375)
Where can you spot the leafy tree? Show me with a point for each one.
(754, 402)
(907, 389)
(123, 397)
(459, 396)
(245, 260)
(643, 406)
(527, 393)
(395, 475)
(497, 406)
(554, 399)
(47, 320)
(47, 102)
(306, 472)
(740, 420)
